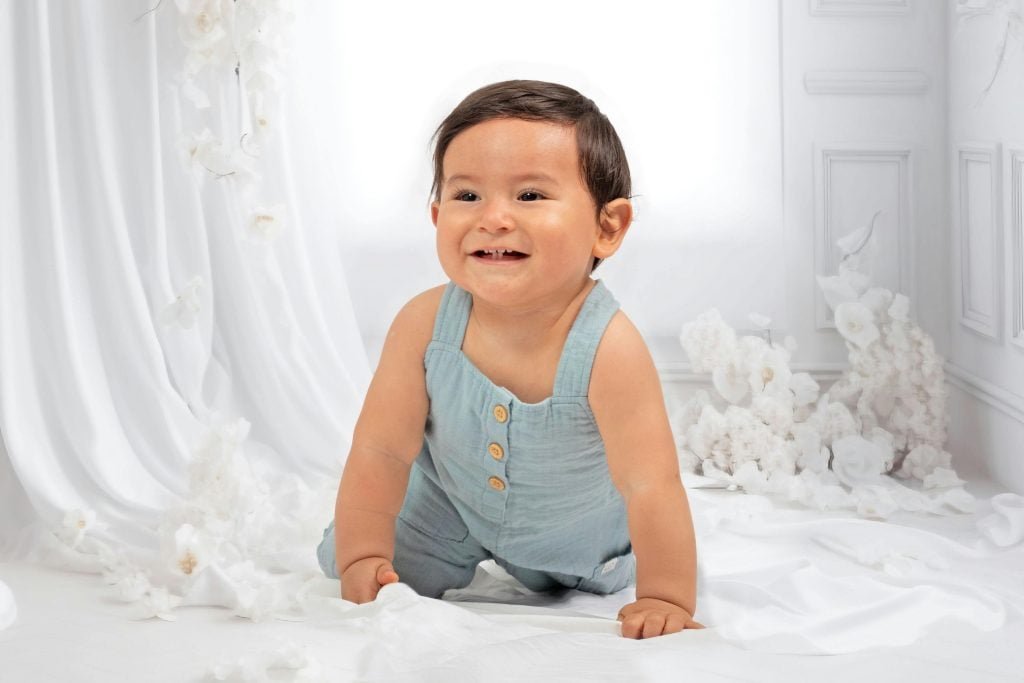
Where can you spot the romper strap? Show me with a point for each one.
(452, 316)
(573, 376)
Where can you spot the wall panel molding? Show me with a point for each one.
(1004, 401)
(859, 8)
(978, 237)
(866, 82)
(1015, 214)
(853, 181)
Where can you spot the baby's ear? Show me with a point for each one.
(615, 219)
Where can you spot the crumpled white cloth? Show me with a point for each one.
(8, 608)
(1005, 526)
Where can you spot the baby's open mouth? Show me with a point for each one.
(499, 254)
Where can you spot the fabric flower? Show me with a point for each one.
(201, 27)
(192, 552)
(856, 323)
(708, 341)
(856, 461)
(75, 525)
(185, 307)
(160, 603)
(268, 222)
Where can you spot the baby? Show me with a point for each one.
(516, 413)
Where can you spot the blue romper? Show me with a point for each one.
(526, 484)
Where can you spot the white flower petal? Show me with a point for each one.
(856, 323)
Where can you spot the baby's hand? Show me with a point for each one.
(649, 617)
(363, 579)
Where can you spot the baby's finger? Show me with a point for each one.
(676, 623)
(632, 626)
(654, 625)
(386, 574)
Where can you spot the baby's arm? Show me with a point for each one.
(625, 395)
(388, 437)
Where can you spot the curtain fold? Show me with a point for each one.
(139, 308)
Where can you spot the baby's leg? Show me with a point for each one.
(611, 577)
(433, 548)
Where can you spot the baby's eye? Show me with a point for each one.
(466, 196)
(529, 196)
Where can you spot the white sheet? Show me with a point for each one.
(775, 582)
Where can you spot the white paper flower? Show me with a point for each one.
(268, 222)
(160, 603)
(805, 389)
(708, 341)
(775, 412)
(941, 478)
(193, 552)
(856, 461)
(185, 307)
(769, 372)
(922, 460)
(75, 525)
(856, 323)
(808, 443)
(876, 501)
(132, 585)
(837, 291)
(900, 308)
(730, 381)
(958, 499)
(877, 300)
(751, 478)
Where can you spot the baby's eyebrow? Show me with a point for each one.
(519, 178)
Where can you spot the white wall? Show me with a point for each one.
(986, 288)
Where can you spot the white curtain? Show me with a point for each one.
(142, 306)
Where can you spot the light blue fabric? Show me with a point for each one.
(558, 520)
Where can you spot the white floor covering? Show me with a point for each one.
(776, 583)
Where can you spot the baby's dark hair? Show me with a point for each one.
(602, 160)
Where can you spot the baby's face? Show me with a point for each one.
(516, 225)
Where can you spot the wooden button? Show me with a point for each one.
(496, 451)
(496, 484)
(500, 413)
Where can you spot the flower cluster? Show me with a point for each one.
(246, 38)
(239, 539)
(777, 432)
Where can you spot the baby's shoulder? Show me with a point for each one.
(622, 356)
(414, 324)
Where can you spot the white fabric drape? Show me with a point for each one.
(104, 397)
